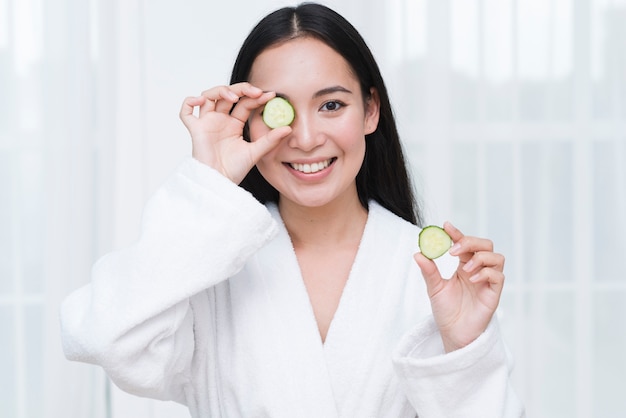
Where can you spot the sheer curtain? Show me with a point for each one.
(513, 114)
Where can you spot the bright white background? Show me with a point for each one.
(513, 113)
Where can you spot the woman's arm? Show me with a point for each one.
(456, 364)
(473, 381)
(134, 317)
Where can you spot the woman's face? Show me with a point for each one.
(317, 163)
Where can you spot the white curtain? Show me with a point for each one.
(513, 113)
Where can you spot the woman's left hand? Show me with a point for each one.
(464, 304)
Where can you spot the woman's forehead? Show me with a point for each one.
(301, 60)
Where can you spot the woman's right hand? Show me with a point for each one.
(217, 131)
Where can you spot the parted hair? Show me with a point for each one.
(383, 176)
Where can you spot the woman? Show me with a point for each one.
(306, 297)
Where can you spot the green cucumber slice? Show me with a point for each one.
(434, 241)
(278, 112)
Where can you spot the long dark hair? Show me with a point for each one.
(383, 175)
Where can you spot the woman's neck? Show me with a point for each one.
(337, 223)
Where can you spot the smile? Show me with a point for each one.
(312, 168)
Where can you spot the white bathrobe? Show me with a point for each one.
(209, 309)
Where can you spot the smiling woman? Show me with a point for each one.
(329, 128)
(512, 114)
(316, 165)
(221, 327)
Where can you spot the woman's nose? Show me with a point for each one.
(304, 135)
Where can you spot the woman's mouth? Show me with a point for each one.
(312, 167)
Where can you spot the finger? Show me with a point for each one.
(225, 96)
(245, 89)
(242, 90)
(219, 99)
(484, 259)
(493, 277)
(430, 272)
(468, 242)
(188, 106)
(213, 96)
(263, 145)
(453, 231)
(244, 108)
(467, 246)
(228, 98)
(225, 105)
(464, 243)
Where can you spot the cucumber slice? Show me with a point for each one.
(434, 241)
(278, 112)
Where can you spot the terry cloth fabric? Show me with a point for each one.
(208, 308)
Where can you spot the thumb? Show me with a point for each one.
(430, 272)
(261, 146)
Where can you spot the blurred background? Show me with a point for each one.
(513, 114)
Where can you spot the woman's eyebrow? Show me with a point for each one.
(330, 90)
(322, 92)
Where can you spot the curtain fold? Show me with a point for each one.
(68, 76)
(52, 169)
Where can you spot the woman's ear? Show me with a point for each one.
(372, 111)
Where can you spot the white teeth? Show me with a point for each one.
(311, 168)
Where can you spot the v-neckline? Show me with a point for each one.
(303, 294)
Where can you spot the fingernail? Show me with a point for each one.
(468, 266)
(455, 248)
(233, 96)
(449, 224)
(474, 278)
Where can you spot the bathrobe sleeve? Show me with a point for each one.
(466, 383)
(134, 318)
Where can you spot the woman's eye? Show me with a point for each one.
(332, 106)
